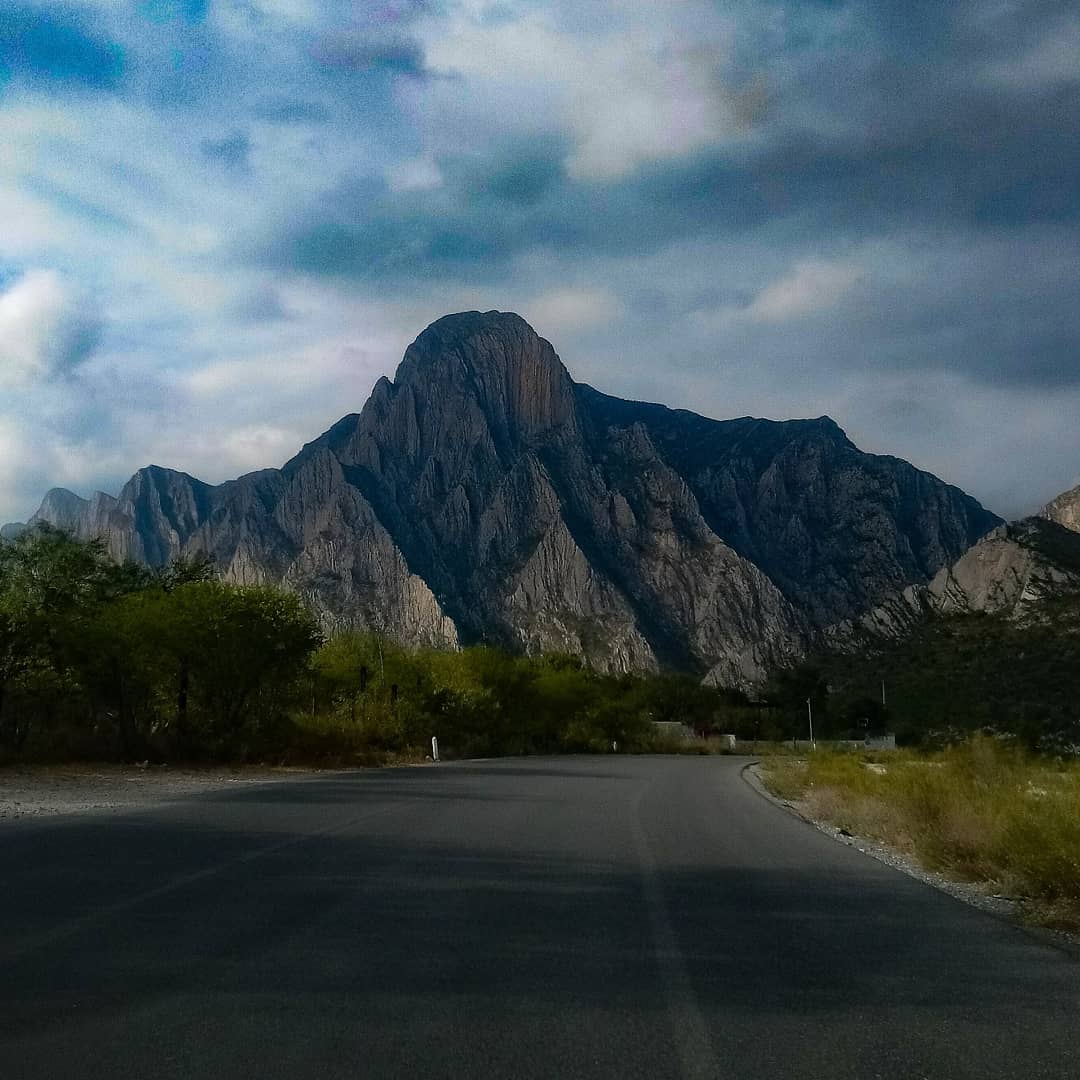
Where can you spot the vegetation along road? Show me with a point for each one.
(606, 916)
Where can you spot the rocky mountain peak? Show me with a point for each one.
(1065, 509)
(61, 508)
(497, 359)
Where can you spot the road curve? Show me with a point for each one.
(576, 917)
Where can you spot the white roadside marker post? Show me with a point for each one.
(434, 748)
(810, 716)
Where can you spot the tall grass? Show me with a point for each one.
(979, 811)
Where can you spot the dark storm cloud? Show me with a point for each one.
(56, 46)
(986, 155)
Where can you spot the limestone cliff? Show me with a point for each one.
(1012, 571)
(1065, 509)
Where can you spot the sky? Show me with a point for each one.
(222, 220)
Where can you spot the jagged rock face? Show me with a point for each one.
(156, 512)
(61, 508)
(834, 528)
(1006, 573)
(1065, 509)
(534, 531)
(1010, 572)
(483, 495)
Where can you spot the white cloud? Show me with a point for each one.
(626, 99)
(416, 174)
(565, 311)
(649, 108)
(262, 445)
(813, 285)
(43, 333)
(11, 477)
(38, 454)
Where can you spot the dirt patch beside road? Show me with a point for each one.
(42, 790)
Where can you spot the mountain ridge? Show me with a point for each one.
(483, 495)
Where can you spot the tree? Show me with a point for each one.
(50, 585)
(788, 691)
(186, 570)
(242, 648)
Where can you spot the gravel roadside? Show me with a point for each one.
(34, 791)
(1002, 907)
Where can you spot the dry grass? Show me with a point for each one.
(981, 812)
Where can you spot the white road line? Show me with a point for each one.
(697, 1059)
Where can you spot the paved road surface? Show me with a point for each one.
(588, 917)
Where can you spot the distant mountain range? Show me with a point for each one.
(483, 495)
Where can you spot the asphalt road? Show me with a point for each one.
(583, 917)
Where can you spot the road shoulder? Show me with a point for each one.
(1001, 907)
(29, 792)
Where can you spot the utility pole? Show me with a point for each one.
(810, 717)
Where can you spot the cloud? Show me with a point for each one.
(782, 208)
(366, 53)
(43, 331)
(415, 174)
(284, 111)
(1044, 47)
(188, 11)
(564, 311)
(233, 151)
(522, 176)
(625, 100)
(54, 46)
(812, 286)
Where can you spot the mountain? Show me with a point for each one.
(992, 643)
(1065, 509)
(483, 495)
(1015, 571)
